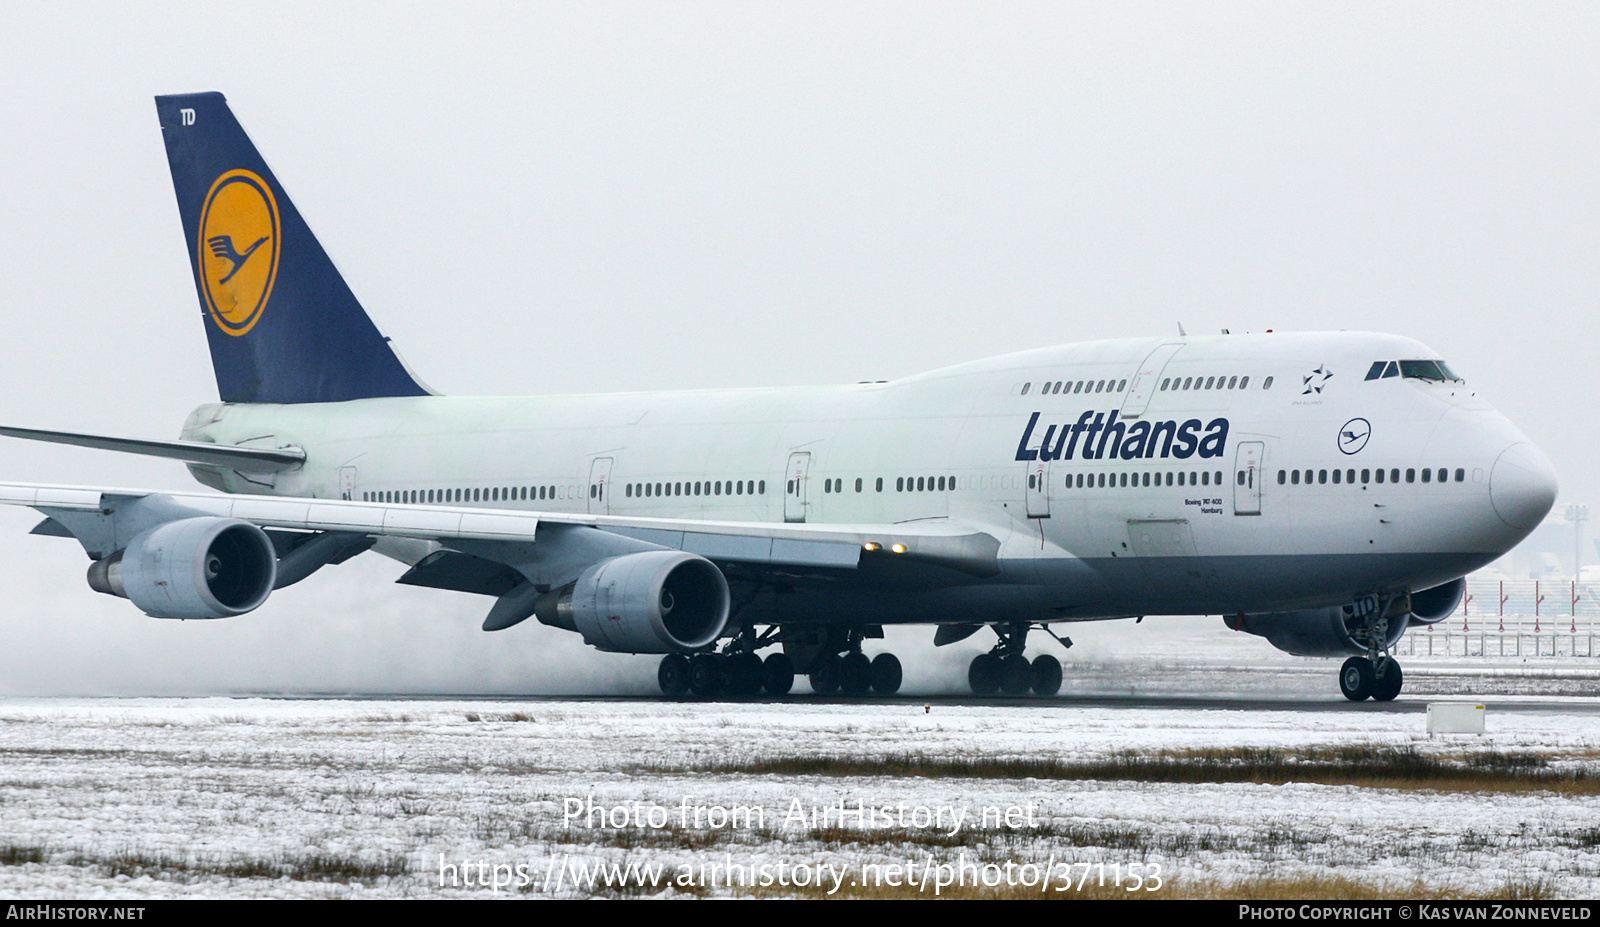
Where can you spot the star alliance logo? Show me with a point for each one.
(1314, 380)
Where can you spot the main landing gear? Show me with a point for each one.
(738, 674)
(832, 659)
(1004, 670)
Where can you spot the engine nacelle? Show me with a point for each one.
(203, 567)
(1317, 632)
(1431, 606)
(658, 601)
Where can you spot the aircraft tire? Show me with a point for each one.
(1046, 675)
(1016, 675)
(824, 674)
(855, 674)
(706, 674)
(984, 674)
(1356, 677)
(777, 674)
(886, 674)
(1387, 686)
(673, 675)
(745, 674)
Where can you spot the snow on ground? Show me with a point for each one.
(128, 798)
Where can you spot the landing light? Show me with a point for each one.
(872, 545)
(898, 548)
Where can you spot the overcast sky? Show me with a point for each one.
(562, 197)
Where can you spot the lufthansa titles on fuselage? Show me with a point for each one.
(1100, 436)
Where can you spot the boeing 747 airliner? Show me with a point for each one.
(1321, 490)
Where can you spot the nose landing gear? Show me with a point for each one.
(1376, 675)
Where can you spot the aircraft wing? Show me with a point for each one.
(106, 520)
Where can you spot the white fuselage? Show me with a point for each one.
(1134, 494)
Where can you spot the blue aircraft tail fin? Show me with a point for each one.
(282, 324)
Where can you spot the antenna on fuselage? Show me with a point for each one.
(1181, 332)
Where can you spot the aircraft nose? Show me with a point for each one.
(1522, 486)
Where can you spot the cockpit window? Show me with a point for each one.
(1435, 370)
(1425, 370)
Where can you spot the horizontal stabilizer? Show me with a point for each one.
(249, 459)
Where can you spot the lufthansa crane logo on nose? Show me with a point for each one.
(239, 246)
(1353, 436)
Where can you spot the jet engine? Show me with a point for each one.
(1317, 632)
(202, 567)
(658, 601)
(1431, 606)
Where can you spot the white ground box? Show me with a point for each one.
(1454, 718)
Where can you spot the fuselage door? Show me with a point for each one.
(600, 486)
(794, 489)
(1038, 488)
(1247, 478)
(1145, 381)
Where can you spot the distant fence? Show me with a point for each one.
(1514, 618)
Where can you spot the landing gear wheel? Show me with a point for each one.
(886, 674)
(1016, 675)
(777, 674)
(984, 674)
(1356, 678)
(1387, 686)
(673, 675)
(825, 674)
(855, 674)
(705, 675)
(1046, 675)
(745, 673)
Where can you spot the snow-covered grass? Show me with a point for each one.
(278, 798)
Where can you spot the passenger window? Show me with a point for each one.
(1209, 381)
(899, 484)
(1122, 385)
(1025, 387)
(1394, 475)
(1411, 475)
(1232, 382)
(880, 484)
(858, 484)
(1188, 382)
(1267, 383)
(761, 488)
(1164, 383)
(1205, 479)
(1336, 475)
(1294, 477)
(1427, 475)
(1461, 475)
(1322, 476)
(1380, 476)
(1244, 382)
